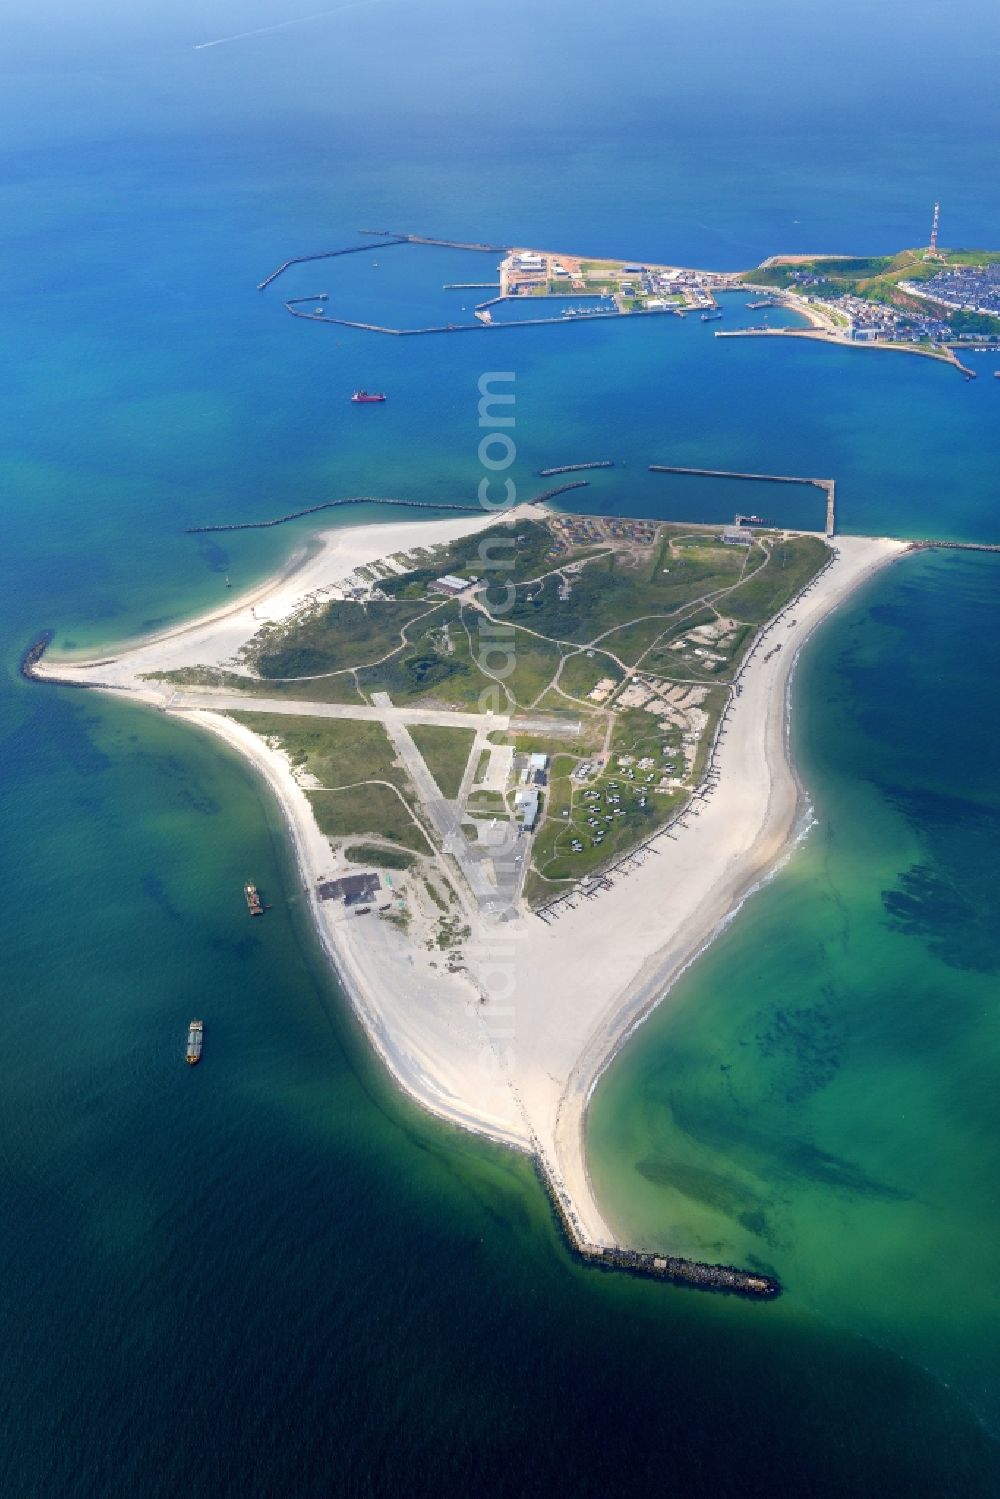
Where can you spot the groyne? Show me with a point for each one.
(550, 494)
(698, 1274)
(371, 499)
(36, 650)
(573, 468)
(31, 660)
(956, 546)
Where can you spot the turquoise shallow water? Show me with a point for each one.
(816, 1095)
(271, 1275)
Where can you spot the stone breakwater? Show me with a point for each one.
(674, 1268)
(32, 657)
(36, 650)
(574, 468)
(358, 499)
(374, 499)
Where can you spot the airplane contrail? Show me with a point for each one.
(317, 15)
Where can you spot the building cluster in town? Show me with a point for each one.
(872, 322)
(632, 287)
(589, 530)
(969, 288)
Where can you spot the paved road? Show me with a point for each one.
(477, 867)
(245, 702)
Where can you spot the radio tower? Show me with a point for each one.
(934, 228)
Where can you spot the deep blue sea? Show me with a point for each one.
(271, 1275)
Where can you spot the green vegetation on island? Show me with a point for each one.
(919, 286)
(351, 775)
(445, 753)
(611, 654)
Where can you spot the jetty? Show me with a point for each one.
(828, 486)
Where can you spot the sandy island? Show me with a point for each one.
(514, 1046)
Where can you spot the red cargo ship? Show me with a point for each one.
(364, 397)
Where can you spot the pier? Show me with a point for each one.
(828, 486)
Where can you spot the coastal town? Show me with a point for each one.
(925, 301)
(932, 302)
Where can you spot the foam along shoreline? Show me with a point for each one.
(513, 1046)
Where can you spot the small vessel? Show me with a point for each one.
(253, 900)
(711, 317)
(365, 398)
(196, 1034)
(228, 584)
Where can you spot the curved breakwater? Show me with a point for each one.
(356, 499)
(698, 1274)
(374, 499)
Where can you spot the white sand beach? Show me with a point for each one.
(308, 577)
(514, 1046)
